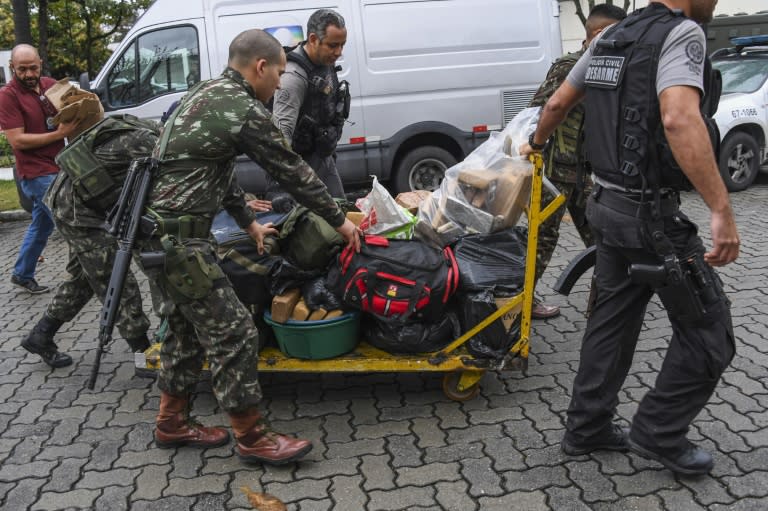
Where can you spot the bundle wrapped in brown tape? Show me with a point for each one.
(74, 105)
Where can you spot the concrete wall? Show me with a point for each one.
(573, 32)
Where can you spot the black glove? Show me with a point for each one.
(283, 203)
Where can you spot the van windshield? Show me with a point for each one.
(742, 75)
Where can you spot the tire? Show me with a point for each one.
(422, 168)
(26, 202)
(739, 161)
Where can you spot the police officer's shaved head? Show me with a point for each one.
(603, 14)
(254, 44)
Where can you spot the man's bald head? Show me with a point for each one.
(24, 51)
(254, 44)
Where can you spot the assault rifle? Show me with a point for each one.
(122, 223)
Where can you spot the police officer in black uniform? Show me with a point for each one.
(645, 82)
(312, 104)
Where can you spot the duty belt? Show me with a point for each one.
(181, 227)
(630, 204)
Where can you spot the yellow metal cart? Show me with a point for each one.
(462, 370)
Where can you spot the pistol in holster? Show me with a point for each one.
(688, 287)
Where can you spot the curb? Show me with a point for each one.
(14, 215)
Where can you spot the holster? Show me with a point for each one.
(189, 274)
(182, 227)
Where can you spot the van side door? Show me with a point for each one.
(155, 68)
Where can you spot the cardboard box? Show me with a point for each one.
(509, 318)
(300, 311)
(317, 314)
(356, 217)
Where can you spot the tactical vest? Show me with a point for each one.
(626, 145)
(95, 181)
(566, 148)
(324, 110)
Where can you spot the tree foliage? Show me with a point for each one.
(73, 33)
(582, 13)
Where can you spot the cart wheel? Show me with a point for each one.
(456, 390)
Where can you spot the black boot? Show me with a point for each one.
(139, 344)
(40, 342)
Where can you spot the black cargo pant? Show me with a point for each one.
(697, 355)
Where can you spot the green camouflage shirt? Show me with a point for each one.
(118, 151)
(563, 157)
(218, 122)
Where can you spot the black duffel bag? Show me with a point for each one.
(397, 279)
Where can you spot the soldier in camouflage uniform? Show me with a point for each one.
(564, 163)
(91, 250)
(218, 120)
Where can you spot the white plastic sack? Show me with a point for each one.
(383, 215)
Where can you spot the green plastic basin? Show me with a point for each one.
(317, 340)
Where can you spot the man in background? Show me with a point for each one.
(26, 118)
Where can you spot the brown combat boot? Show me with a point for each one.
(257, 443)
(174, 427)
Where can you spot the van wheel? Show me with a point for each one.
(739, 161)
(423, 169)
(24, 201)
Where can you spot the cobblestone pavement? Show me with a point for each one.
(382, 442)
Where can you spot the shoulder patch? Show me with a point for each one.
(695, 52)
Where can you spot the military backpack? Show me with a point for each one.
(98, 178)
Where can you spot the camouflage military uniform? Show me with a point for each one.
(91, 249)
(215, 123)
(564, 166)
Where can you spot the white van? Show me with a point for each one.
(429, 78)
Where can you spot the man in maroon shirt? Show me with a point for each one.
(26, 118)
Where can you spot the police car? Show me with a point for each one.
(742, 114)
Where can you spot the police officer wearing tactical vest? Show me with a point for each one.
(311, 106)
(645, 80)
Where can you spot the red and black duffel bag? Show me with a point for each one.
(398, 279)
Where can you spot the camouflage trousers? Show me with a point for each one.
(549, 231)
(91, 255)
(217, 326)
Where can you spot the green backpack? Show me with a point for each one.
(97, 161)
(307, 240)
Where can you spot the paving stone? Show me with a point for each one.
(299, 490)
(172, 503)
(741, 505)
(9, 472)
(566, 499)
(66, 475)
(116, 477)
(104, 455)
(708, 491)
(212, 483)
(427, 432)
(679, 500)
(377, 472)
(337, 429)
(647, 503)
(347, 494)
(403, 413)
(211, 501)
(504, 455)
(404, 451)
(21, 495)
(355, 448)
(754, 484)
(187, 463)
(400, 498)
(535, 478)
(454, 496)
(151, 483)
(476, 433)
(78, 499)
(450, 415)
(495, 415)
(114, 498)
(453, 452)
(152, 456)
(483, 480)
(533, 501)
(524, 435)
(428, 474)
(382, 429)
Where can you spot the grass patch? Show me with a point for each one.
(9, 198)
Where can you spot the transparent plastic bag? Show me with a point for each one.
(488, 191)
(383, 215)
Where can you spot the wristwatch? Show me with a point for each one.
(535, 146)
